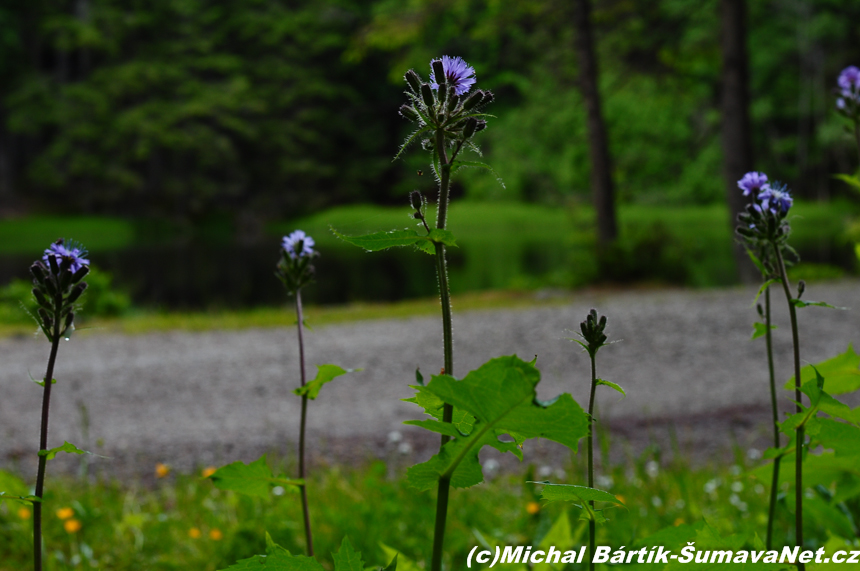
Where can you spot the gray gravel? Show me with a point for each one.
(198, 398)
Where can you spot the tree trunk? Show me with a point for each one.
(598, 144)
(736, 132)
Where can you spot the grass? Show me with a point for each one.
(183, 522)
(34, 233)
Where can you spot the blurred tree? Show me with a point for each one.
(602, 190)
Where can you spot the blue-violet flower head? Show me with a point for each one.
(457, 73)
(67, 250)
(753, 183)
(298, 245)
(849, 78)
(776, 199)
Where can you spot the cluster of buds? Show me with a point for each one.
(294, 269)
(57, 281)
(445, 102)
(848, 93)
(592, 332)
(764, 220)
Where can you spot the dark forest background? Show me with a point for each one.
(274, 109)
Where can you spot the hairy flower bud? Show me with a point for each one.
(592, 332)
(414, 81)
(417, 200)
(408, 112)
(453, 102)
(801, 287)
(70, 320)
(481, 126)
(38, 272)
(76, 293)
(438, 71)
(488, 98)
(427, 95)
(470, 128)
(80, 274)
(473, 100)
(443, 94)
(41, 299)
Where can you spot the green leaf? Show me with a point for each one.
(277, 561)
(611, 385)
(801, 303)
(763, 287)
(571, 493)
(829, 517)
(444, 237)
(254, 479)
(852, 181)
(325, 374)
(393, 565)
(842, 373)
(67, 447)
(347, 558)
(756, 261)
(383, 240)
(402, 562)
(41, 382)
(501, 397)
(760, 330)
(28, 499)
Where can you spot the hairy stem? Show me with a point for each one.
(775, 481)
(307, 515)
(592, 529)
(800, 435)
(43, 441)
(447, 343)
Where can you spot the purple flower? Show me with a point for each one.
(753, 183)
(298, 245)
(457, 73)
(849, 78)
(67, 250)
(840, 103)
(777, 199)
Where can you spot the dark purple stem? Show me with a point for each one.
(307, 516)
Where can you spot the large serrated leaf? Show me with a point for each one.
(254, 479)
(325, 374)
(347, 558)
(501, 397)
(841, 372)
(277, 561)
(67, 447)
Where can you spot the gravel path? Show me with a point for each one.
(199, 398)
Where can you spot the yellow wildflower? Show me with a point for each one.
(72, 525)
(532, 508)
(678, 521)
(161, 470)
(209, 471)
(194, 533)
(24, 513)
(65, 513)
(216, 535)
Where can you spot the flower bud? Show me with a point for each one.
(417, 200)
(408, 112)
(52, 264)
(488, 98)
(438, 71)
(473, 100)
(453, 102)
(427, 95)
(443, 95)
(47, 321)
(76, 293)
(759, 309)
(470, 128)
(70, 319)
(801, 287)
(38, 272)
(428, 144)
(414, 81)
(481, 126)
(80, 274)
(41, 299)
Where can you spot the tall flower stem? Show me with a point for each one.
(799, 433)
(43, 441)
(307, 516)
(592, 527)
(447, 344)
(775, 481)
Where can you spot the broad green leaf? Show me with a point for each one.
(325, 374)
(801, 303)
(67, 447)
(277, 561)
(828, 516)
(843, 439)
(254, 479)
(763, 287)
(842, 373)
(501, 397)
(571, 493)
(611, 385)
(562, 537)
(457, 165)
(760, 330)
(393, 565)
(347, 558)
(444, 237)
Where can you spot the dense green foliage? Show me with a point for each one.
(275, 108)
